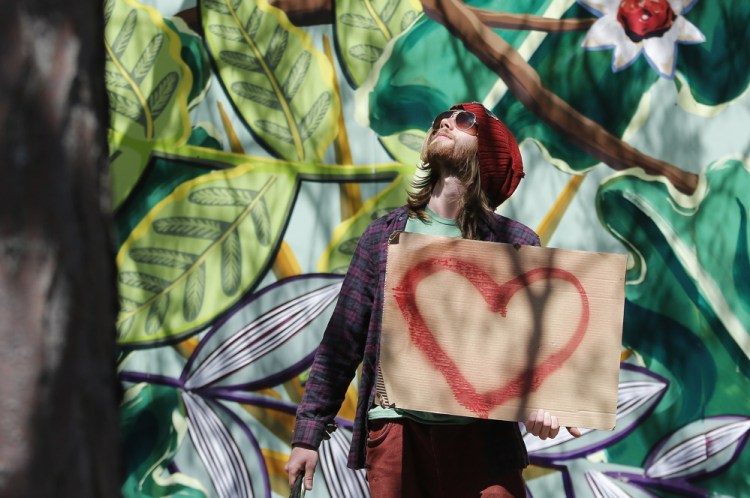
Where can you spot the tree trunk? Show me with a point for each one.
(58, 406)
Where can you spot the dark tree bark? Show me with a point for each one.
(58, 406)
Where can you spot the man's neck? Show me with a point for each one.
(446, 197)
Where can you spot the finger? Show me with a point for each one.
(575, 431)
(540, 414)
(309, 471)
(538, 423)
(546, 424)
(554, 428)
(291, 474)
(530, 421)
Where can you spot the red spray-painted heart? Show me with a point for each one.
(497, 298)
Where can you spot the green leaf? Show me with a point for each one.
(163, 257)
(275, 130)
(226, 32)
(221, 196)
(276, 47)
(315, 115)
(215, 196)
(681, 254)
(413, 141)
(125, 106)
(231, 263)
(157, 312)
(358, 21)
(148, 57)
(162, 94)
(274, 100)
(297, 75)
(253, 22)
(195, 288)
(115, 80)
(109, 7)
(390, 8)
(233, 221)
(143, 281)
(125, 34)
(257, 94)
(262, 220)
(128, 304)
(125, 306)
(405, 147)
(366, 53)
(364, 27)
(717, 70)
(197, 228)
(241, 61)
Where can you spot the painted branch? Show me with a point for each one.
(300, 12)
(530, 22)
(524, 83)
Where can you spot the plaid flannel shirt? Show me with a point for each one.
(353, 337)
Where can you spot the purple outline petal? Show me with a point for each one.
(254, 443)
(261, 336)
(217, 449)
(242, 304)
(676, 456)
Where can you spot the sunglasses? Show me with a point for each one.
(465, 121)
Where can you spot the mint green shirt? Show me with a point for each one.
(444, 227)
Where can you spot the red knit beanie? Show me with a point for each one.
(500, 163)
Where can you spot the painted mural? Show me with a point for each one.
(252, 141)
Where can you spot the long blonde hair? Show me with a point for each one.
(474, 206)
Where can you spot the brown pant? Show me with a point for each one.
(406, 459)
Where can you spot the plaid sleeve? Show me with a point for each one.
(342, 347)
(513, 232)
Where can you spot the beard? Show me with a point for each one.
(450, 157)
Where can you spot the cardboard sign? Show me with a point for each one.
(490, 330)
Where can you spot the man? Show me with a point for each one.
(472, 164)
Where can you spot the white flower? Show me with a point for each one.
(653, 27)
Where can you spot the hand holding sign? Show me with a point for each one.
(543, 425)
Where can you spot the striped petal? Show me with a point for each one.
(262, 326)
(701, 447)
(217, 449)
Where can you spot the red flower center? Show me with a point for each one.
(645, 18)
